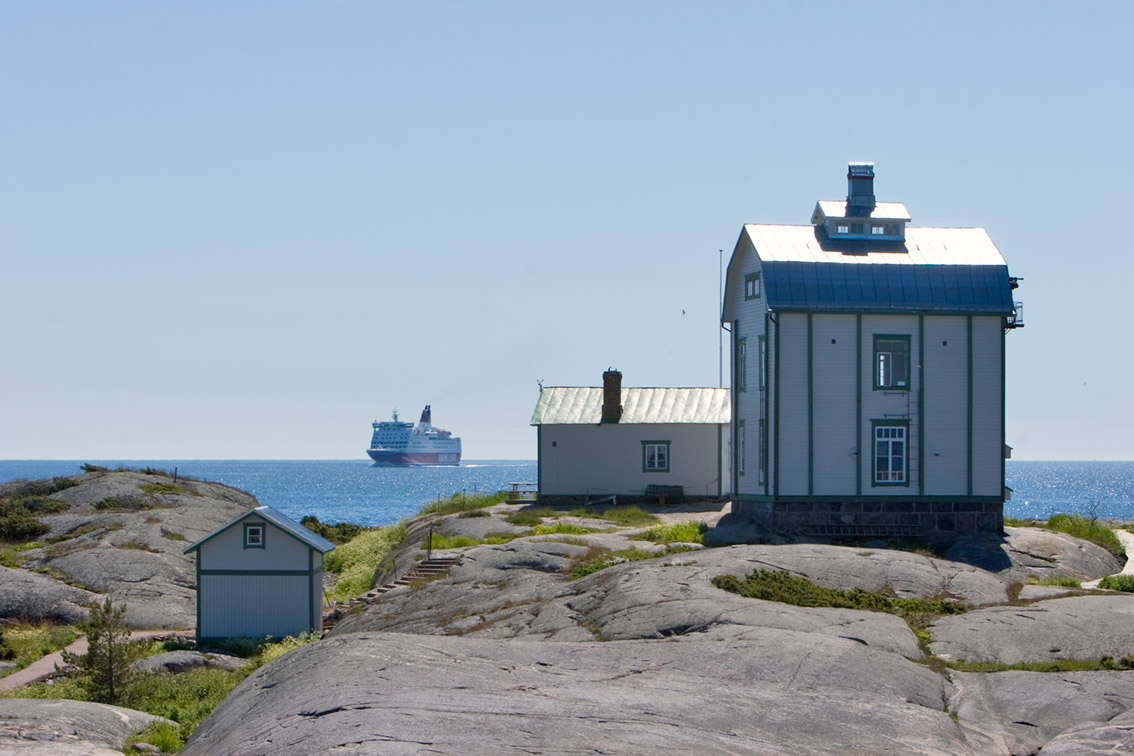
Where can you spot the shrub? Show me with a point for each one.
(163, 488)
(1123, 583)
(462, 502)
(529, 517)
(628, 516)
(125, 501)
(599, 559)
(44, 487)
(104, 670)
(17, 524)
(683, 532)
(356, 561)
(339, 533)
(560, 527)
(1088, 530)
(1062, 581)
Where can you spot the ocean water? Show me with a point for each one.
(332, 490)
(357, 491)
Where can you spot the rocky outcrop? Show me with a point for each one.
(121, 534)
(502, 655)
(67, 728)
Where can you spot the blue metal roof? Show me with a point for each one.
(280, 520)
(970, 289)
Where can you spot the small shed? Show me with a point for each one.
(259, 575)
(633, 443)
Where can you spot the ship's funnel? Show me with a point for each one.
(426, 416)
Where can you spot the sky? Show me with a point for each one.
(247, 230)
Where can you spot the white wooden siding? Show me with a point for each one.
(748, 323)
(988, 445)
(599, 460)
(225, 551)
(891, 405)
(946, 406)
(792, 401)
(255, 605)
(835, 444)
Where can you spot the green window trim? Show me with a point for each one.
(763, 349)
(255, 534)
(891, 366)
(741, 448)
(752, 286)
(655, 456)
(887, 447)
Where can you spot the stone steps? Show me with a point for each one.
(427, 568)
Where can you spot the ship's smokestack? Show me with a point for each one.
(611, 396)
(860, 188)
(426, 416)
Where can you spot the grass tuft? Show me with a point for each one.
(461, 502)
(626, 516)
(1124, 583)
(680, 532)
(1088, 530)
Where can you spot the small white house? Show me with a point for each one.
(633, 443)
(261, 574)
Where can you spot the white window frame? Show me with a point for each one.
(891, 444)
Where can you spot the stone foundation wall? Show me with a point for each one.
(937, 521)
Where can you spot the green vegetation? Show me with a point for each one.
(626, 516)
(1054, 665)
(560, 528)
(126, 501)
(163, 488)
(1123, 583)
(339, 533)
(599, 559)
(462, 502)
(356, 561)
(172, 536)
(42, 487)
(1062, 581)
(25, 642)
(1089, 530)
(21, 508)
(441, 542)
(777, 585)
(186, 698)
(679, 532)
(530, 517)
(104, 670)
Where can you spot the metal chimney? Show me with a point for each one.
(860, 188)
(611, 396)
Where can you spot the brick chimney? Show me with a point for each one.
(611, 396)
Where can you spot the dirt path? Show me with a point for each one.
(46, 665)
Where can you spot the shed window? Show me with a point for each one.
(890, 455)
(253, 536)
(655, 456)
(892, 362)
(752, 286)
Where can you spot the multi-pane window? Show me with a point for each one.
(890, 454)
(763, 359)
(762, 458)
(752, 286)
(878, 230)
(891, 362)
(742, 364)
(253, 536)
(655, 456)
(741, 447)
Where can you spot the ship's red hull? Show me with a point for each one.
(406, 459)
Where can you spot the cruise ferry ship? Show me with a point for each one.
(402, 444)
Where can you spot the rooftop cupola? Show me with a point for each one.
(860, 189)
(861, 217)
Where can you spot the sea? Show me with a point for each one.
(351, 490)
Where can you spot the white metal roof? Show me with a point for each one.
(922, 246)
(881, 211)
(582, 405)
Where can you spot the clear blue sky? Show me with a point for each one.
(246, 230)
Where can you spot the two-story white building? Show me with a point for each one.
(868, 372)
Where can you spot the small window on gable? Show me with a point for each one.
(752, 286)
(253, 536)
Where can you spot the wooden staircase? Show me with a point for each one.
(423, 570)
